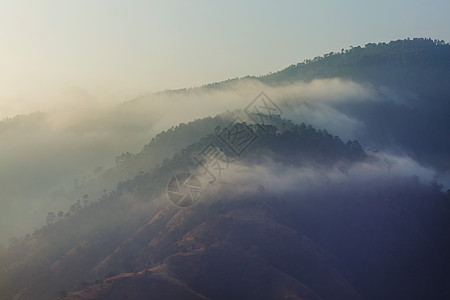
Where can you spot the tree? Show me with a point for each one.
(60, 214)
(124, 157)
(51, 217)
(75, 207)
(85, 200)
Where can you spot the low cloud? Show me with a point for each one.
(312, 103)
(44, 152)
(277, 179)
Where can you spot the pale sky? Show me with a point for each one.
(60, 52)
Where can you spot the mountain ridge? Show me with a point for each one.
(299, 214)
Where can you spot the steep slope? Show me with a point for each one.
(75, 247)
(340, 242)
(410, 78)
(418, 65)
(147, 284)
(349, 244)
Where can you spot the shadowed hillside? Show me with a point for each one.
(315, 244)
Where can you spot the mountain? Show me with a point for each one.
(410, 77)
(298, 213)
(388, 96)
(311, 245)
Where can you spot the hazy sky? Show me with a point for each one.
(76, 52)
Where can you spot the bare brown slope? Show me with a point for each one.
(238, 254)
(147, 284)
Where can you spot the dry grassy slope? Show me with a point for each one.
(238, 254)
(147, 284)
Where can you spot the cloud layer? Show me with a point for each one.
(378, 170)
(44, 152)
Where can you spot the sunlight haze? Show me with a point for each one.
(64, 53)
